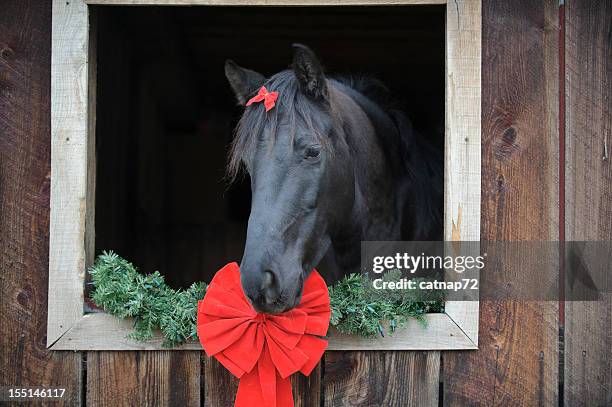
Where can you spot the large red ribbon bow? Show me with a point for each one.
(263, 350)
(269, 98)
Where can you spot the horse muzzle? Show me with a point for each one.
(268, 291)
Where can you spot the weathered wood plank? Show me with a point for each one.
(307, 390)
(588, 324)
(69, 166)
(440, 333)
(462, 148)
(101, 331)
(517, 361)
(220, 385)
(381, 378)
(25, 62)
(143, 378)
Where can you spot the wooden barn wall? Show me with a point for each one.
(588, 127)
(518, 360)
(25, 171)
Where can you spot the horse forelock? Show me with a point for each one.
(292, 107)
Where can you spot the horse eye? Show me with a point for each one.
(313, 152)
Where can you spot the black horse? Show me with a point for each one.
(330, 165)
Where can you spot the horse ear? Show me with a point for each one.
(244, 82)
(309, 72)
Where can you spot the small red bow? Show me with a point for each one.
(269, 98)
(263, 350)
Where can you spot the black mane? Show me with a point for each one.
(410, 153)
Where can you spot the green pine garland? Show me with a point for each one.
(356, 307)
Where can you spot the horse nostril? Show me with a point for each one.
(268, 280)
(270, 287)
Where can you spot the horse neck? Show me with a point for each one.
(377, 203)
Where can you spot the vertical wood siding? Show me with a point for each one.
(25, 153)
(143, 378)
(381, 378)
(517, 361)
(588, 324)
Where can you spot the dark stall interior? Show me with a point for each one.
(165, 113)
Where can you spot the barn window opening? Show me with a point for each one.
(165, 113)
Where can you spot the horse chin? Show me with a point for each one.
(276, 309)
(270, 309)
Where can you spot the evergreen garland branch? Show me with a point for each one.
(360, 309)
(123, 292)
(356, 307)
